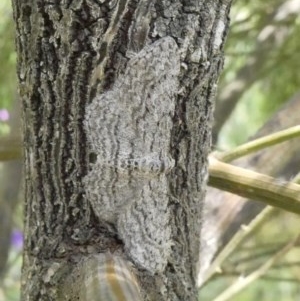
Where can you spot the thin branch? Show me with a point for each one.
(236, 241)
(253, 185)
(228, 274)
(258, 144)
(10, 148)
(245, 281)
(240, 237)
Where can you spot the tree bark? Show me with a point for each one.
(70, 54)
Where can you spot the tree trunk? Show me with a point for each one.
(81, 59)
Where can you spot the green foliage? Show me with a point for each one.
(281, 282)
(262, 52)
(7, 55)
(10, 286)
(264, 40)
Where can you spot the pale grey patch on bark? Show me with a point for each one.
(129, 129)
(139, 28)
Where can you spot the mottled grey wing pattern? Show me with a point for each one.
(129, 130)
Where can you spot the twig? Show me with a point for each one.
(258, 144)
(253, 185)
(245, 281)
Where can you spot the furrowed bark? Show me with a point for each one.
(70, 52)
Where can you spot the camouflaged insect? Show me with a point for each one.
(129, 129)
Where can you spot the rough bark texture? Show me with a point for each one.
(68, 53)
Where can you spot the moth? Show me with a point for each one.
(129, 130)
